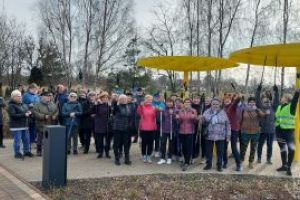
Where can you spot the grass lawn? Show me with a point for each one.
(181, 186)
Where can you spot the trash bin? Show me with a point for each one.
(54, 157)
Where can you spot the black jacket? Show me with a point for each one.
(86, 121)
(17, 118)
(121, 117)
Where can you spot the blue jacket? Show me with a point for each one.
(60, 100)
(67, 109)
(30, 98)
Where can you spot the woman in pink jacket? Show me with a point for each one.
(187, 119)
(147, 126)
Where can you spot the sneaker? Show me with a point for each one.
(156, 154)
(250, 165)
(219, 169)
(28, 154)
(100, 155)
(39, 154)
(85, 152)
(161, 161)
(184, 167)
(269, 162)
(117, 162)
(282, 169)
(258, 161)
(149, 159)
(19, 156)
(127, 162)
(239, 168)
(69, 152)
(108, 156)
(224, 166)
(75, 152)
(2, 146)
(289, 171)
(169, 161)
(145, 159)
(207, 167)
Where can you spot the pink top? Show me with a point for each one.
(187, 121)
(148, 117)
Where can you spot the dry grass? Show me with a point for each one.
(184, 186)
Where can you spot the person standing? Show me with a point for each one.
(45, 113)
(2, 105)
(250, 129)
(31, 98)
(82, 99)
(86, 120)
(267, 123)
(168, 130)
(231, 107)
(133, 132)
(147, 126)
(285, 127)
(187, 120)
(102, 114)
(60, 99)
(120, 128)
(72, 111)
(18, 124)
(217, 131)
(198, 106)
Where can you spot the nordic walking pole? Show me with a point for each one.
(171, 125)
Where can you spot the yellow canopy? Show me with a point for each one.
(287, 55)
(186, 63)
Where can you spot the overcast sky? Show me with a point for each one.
(25, 11)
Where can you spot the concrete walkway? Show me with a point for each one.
(88, 166)
(13, 188)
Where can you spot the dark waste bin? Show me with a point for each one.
(54, 157)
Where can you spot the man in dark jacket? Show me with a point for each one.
(267, 123)
(45, 113)
(86, 121)
(2, 105)
(18, 124)
(60, 99)
(83, 101)
(72, 111)
(133, 118)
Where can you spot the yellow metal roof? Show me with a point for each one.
(186, 63)
(281, 55)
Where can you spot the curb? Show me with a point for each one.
(25, 186)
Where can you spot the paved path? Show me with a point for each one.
(13, 188)
(88, 166)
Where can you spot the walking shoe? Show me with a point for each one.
(2, 146)
(184, 167)
(219, 169)
(239, 168)
(117, 162)
(207, 167)
(28, 154)
(156, 154)
(224, 166)
(85, 151)
(282, 169)
(75, 152)
(145, 159)
(108, 156)
(69, 152)
(149, 159)
(169, 161)
(161, 161)
(250, 165)
(100, 155)
(258, 161)
(19, 156)
(289, 171)
(269, 162)
(39, 154)
(127, 162)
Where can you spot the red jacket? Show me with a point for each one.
(147, 114)
(187, 121)
(233, 114)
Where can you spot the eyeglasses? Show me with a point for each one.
(215, 104)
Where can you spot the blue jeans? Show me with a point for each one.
(262, 138)
(18, 136)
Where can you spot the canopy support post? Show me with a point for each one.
(297, 125)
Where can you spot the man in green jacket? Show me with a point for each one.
(45, 113)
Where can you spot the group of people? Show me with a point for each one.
(169, 129)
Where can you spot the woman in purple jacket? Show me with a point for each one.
(168, 130)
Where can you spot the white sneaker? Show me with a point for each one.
(145, 159)
(156, 155)
(161, 161)
(169, 161)
(149, 159)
